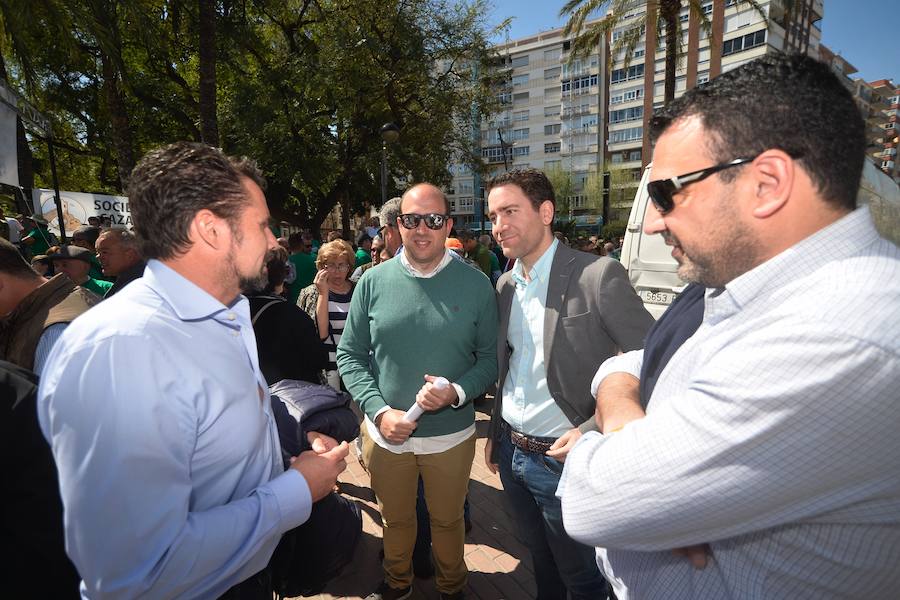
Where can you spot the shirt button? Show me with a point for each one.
(235, 333)
(230, 316)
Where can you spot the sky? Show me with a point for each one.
(863, 32)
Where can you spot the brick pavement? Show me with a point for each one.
(498, 564)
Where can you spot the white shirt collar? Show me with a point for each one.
(417, 273)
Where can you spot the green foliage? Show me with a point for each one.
(613, 229)
(302, 86)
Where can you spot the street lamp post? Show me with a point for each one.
(389, 134)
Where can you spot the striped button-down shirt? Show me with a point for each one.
(773, 435)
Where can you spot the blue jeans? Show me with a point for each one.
(561, 564)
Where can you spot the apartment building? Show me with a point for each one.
(551, 118)
(736, 34)
(595, 113)
(886, 138)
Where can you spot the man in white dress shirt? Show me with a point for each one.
(768, 453)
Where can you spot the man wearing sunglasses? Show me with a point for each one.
(770, 438)
(418, 317)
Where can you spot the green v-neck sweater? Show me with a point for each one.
(402, 327)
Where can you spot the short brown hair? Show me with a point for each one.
(171, 184)
(532, 182)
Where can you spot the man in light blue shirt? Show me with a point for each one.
(157, 413)
(562, 313)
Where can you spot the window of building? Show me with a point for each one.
(495, 153)
(521, 115)
(579, 83)
(520, 96)
(634, 155)
(554, 91)
(551, 111)
(552, 73)
(551, 129)
(520, 61)
(552, 53)
(504, 97)
(581, 123)
(626, 114)
(626, 135)
(620, 33)
(738, 44)
(520, 80)
(552, 164)
(465, 187)
(466, 203)
(632, 72)
(627, 96)
(617, 158)
(703, 78)
(551, 148)
(519, 134)
(521, 150)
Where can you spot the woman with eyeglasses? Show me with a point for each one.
(327, 300)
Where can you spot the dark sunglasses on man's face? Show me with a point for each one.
(432, 220)
(661, 191)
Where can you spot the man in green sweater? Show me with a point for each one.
(424, 316)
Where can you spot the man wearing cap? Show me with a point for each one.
(120, 257)
(86, 237)
(38, 239)
(75, 263)
(34, 311)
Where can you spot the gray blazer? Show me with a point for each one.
(591, 313)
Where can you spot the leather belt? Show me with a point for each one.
(525, 442)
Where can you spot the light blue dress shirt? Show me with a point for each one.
(527, 404)
(168, 455)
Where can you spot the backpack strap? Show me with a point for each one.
(262, 309)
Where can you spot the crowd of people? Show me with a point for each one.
(743, 446)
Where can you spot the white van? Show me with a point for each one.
(653, 270)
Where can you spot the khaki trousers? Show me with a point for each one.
(395, 479)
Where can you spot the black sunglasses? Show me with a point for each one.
(662, 191)
(432, 220)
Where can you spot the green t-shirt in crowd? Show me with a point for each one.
(305, 267)
(362, 257)
(402, 327)
(97, 286)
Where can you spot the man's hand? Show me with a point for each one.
(321, 470)
(320, 442)
(698, 555)
(488, 447)
(560, 448)
(392, 426)
(433, 398)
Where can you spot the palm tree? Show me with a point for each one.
(618, 11)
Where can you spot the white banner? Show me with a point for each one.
(77, 207)
(9, 166)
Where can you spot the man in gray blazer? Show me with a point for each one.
(562, 313)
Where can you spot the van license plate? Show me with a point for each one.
(654, 297)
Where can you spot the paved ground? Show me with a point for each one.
(498, 563)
